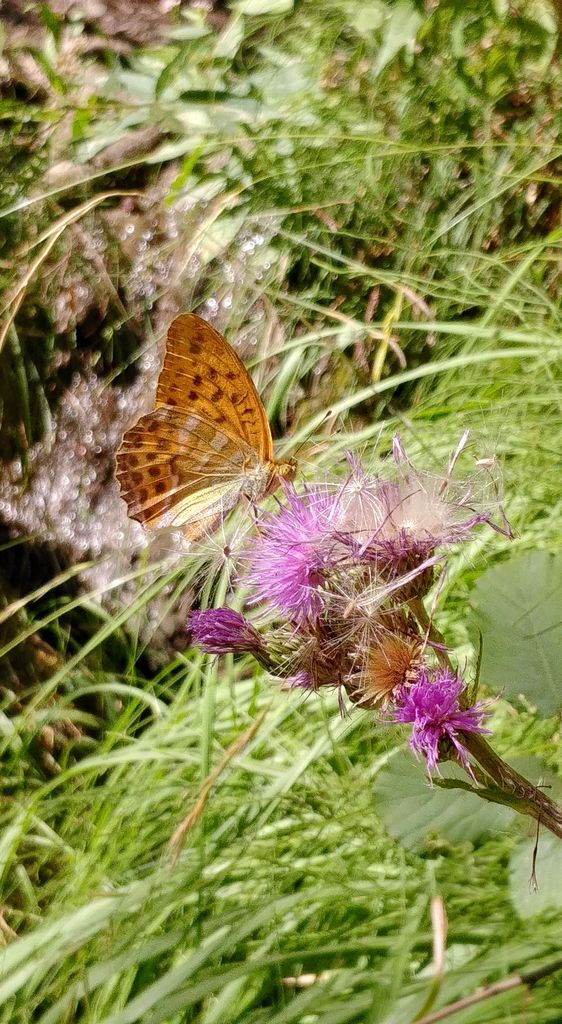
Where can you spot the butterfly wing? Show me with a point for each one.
(203, 375)
(207, 442)
(184, 471)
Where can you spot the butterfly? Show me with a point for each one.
(206, 446)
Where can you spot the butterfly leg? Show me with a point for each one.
(252, 510)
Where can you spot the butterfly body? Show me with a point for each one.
(206, 446)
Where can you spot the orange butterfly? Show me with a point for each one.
(206, 446)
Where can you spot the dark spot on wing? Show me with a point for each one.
(161, 487)
(197, 380)
(193, 396)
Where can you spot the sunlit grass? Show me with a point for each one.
(406, 214)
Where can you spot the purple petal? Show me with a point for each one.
(288, 559)
(432, 706)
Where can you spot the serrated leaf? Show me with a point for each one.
(412, 810)
(517, 607)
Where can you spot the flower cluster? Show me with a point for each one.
(335, 580)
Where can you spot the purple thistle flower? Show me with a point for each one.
(432, 705)
(224, 631)
(294, 548)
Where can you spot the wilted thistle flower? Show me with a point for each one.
(433, 706)
(289, 558)
(438, 508)
(388, 665)
(224, 631)
(398, 524)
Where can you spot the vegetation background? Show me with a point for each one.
(365, 197)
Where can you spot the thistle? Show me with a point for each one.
(224, 631)
(336, 577)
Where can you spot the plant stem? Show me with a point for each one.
(513, 789)
(528, 798)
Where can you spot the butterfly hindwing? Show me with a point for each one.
(175, 469)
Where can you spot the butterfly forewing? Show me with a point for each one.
(206, 445)
(203, 375)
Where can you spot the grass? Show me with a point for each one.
(377, 202)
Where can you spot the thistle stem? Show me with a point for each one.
(512, 788)
(522, 795)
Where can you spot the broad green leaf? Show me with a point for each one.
(221, 117)
(280, 83)
(530, 899)
(106, 134)
(191, 144)
(518, 610)
(412, 809)
(527, 899)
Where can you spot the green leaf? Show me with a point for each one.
(527, 899)
(367, 19)
(53, 22)
(220, 235)
(412, 809)
(228, 42)
(518, 611)
(400, 31)
(262, 6)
